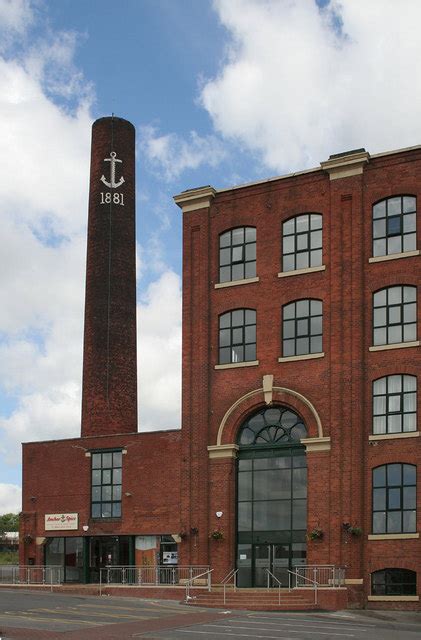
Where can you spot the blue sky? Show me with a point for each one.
(221, 92)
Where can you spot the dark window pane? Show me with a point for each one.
(379, 477)
(394, 474)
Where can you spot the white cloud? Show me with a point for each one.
(159, 354)
(171, 154)
(15, 17)
(10, 498)
(299, 83)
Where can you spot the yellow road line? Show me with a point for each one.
(7, 616)
(89, 613)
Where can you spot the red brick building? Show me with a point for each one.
(300, 441)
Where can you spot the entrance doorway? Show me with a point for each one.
(271, 497)
(107, 551)
(278, 559)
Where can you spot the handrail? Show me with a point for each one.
(316, 584)
(278, 581)
(189, 583)
(231, 575)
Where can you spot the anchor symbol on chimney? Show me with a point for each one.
(112, 184)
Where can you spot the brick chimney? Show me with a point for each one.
(109, 394)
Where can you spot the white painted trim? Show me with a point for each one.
(308, 356)
(397, 345)
(235, 283)
(394, 436)
(393, 536)
(250, 394)
(313, 445)
(237, 365)
(300, 272)
(395, 256)
(223, 451)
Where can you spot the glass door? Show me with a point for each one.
(279, 559)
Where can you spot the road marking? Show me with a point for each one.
(154, 610)
(8, 615)
(317, 633)
(90, 613)
(280, 617)
(319, 624)
(238, 635)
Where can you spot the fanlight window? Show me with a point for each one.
(272, 426)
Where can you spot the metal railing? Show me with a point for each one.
(270, 575)
(162, 575)
(206, 575)
(313, 582)
(12, 574)
(232, 575)
(326, 575)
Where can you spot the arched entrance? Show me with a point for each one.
(271, 497)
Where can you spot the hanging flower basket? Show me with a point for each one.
(352, 529)
(216, 534)
(315, 534)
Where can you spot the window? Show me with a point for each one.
(237, 336)
(302, 242)
(394, 225)
(394, 582)
(395, 315)
(394, 498)
(106, 484)
(237, 254)
(302, 328)
(395, 404)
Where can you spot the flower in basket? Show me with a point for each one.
(216, 534)
(352, 529)
(315, 534)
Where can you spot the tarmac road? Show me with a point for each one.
(31, 615)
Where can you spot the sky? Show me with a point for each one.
(221, 92)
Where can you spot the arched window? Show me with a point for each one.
(237, 336)
(394, 582)
(395, 315)
(237, 254)
(302, 328)
(394, 498)
(271, 497)
(395, 404)
(394, 225)
(302, 242)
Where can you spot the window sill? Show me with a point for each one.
(395, 256)
(393, 536)
(393, 598)
(397, 345)
(237, 365)
(234, 283)
(299, 272)
(393, 436)
(307, 356)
